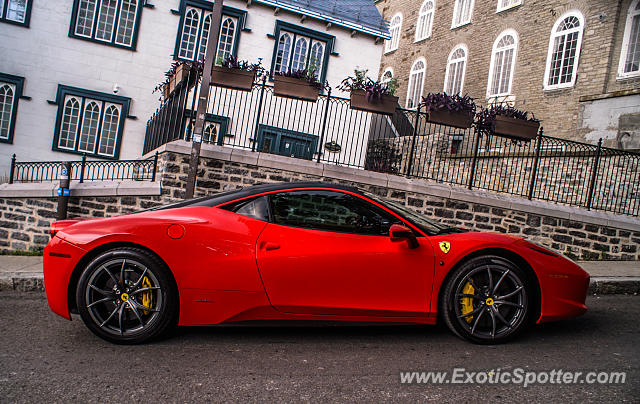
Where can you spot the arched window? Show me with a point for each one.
(299, 54)
(204, 39)
(227, 34)
(564, 51)
(394, 29)
(387, 75)
(284, 50)
(84, 19)
(317, 54)
(630, 55)
(110, 123)
(69, 127)
(128, 11)
(503, 61)
(6, 109)
(90, 122)
(456, 68)
(106, 18)
(209, 134)
(416, 82)
(462, 12)
(425, 20)
(189, 33)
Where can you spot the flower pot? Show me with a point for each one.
(516, 128)
(295, 88)
(237, 79)
(385, 105)
(456, 119)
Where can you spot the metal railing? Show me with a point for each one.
(84, 170)
(406, 143)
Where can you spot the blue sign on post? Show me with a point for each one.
(64, 192)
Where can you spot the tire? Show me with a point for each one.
(127, 296)
(488, 300)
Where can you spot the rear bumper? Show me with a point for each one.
(59, 260)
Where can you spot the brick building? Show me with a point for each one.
(574, 64)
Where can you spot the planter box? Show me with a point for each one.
(451, 118)
(165, 91)
(237, 79)
(516, 128)
(386, 105)
(295, 88)
(186, 74)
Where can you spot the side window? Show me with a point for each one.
(255, 208)
(330, 211)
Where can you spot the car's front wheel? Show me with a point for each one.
(126, 296)
(487, 300)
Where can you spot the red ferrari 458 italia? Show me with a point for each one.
(301, 251)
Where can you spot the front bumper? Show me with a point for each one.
(59, 260)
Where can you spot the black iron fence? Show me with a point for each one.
(84, 170)
(406, 143)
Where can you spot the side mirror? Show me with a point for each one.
(398, 233)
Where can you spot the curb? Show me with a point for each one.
(597, 285)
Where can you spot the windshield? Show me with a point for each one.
(426, 225)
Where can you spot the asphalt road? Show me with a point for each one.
(44, 358)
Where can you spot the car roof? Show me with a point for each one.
(228, 196)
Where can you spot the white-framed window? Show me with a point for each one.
(462, 12)
(416, 83)
(387, 75)
(296, 51)
(503, 61)
(15, 11)
(283, 52)
(456, 69)
(89, 122)
(629, 65)
(425, 20)
(112, 22)
(300, 54)
(564, 51)
(195, 27)
(395, 27)
(507, 4)
(7, 99)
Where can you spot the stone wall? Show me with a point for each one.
(533, 21)
(586, 235)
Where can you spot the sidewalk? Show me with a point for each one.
(607, 277)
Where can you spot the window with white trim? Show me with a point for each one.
(395, 26)
(416, 83)
(564, 51)
(10, 93)
(462, 12)
(629, 65)
(112, 22)
(89, 122)
(507, 4)
(503, 60)
(456, 68)
(386, 76)
(425, 20)
(15, 11)
(193, 36)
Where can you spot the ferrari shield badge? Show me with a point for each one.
(445, 246)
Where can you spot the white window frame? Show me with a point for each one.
(464, 66)
(14, 99)
(93, 18)
(120, 26)
(81, 134)
(423, 16)
(99, 144)
(412, 77)
(552, 37)
(494, 50)
(631, 13)
(456, 10)
(77, 123)
(395, 29)
(509, 7)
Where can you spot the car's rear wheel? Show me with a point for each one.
(487, 300)
(127, 296)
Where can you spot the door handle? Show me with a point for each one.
(269, 246)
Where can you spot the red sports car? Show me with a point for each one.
(301, 251)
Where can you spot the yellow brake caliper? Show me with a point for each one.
(147, 297)
(467, 302)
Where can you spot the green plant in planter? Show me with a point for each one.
(374, 90)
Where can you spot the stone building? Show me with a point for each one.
(574, 64)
